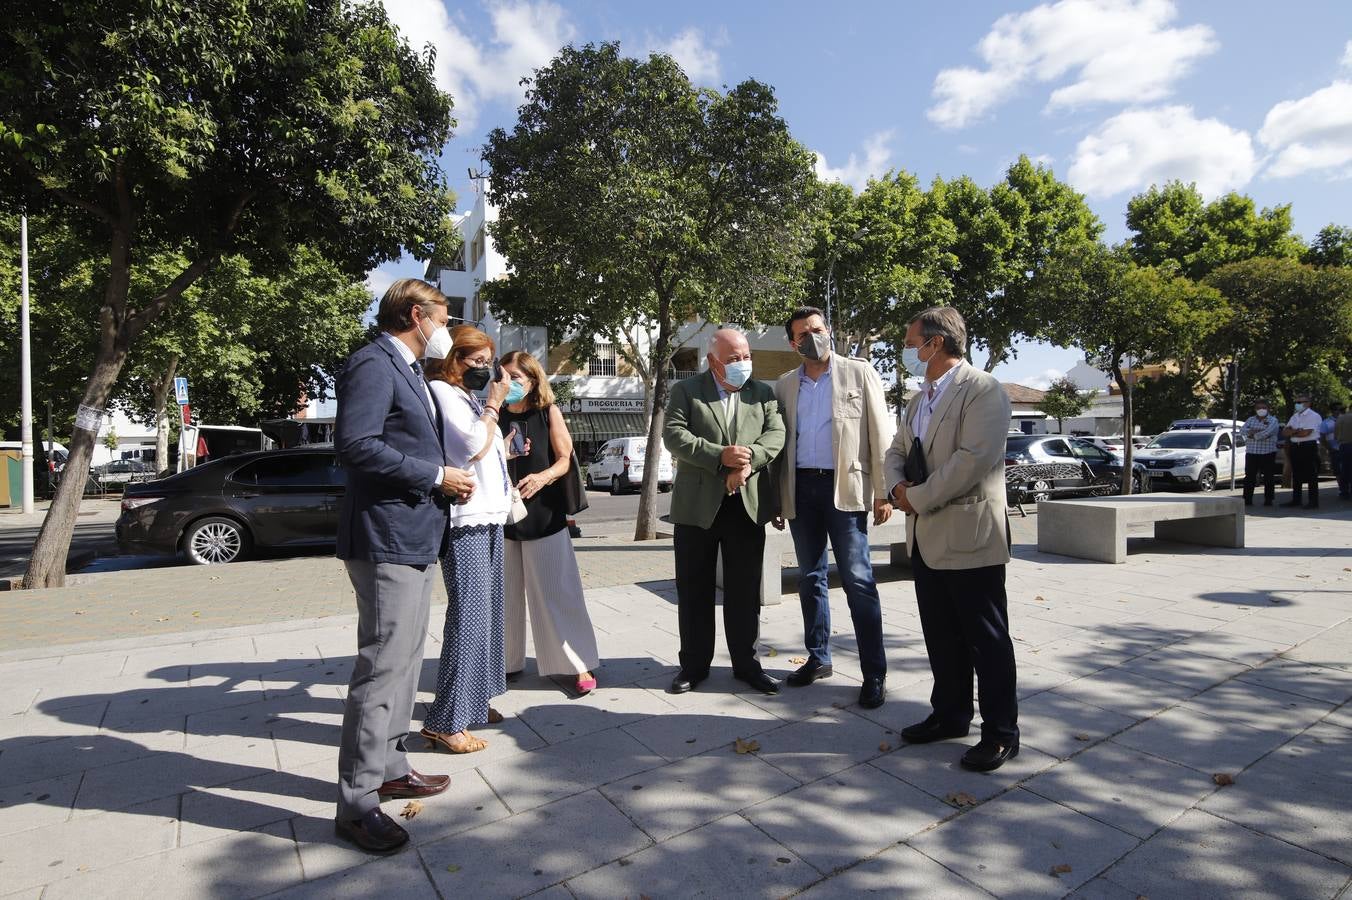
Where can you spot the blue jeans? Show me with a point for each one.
(815, 520)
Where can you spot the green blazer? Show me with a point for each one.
(696, 433)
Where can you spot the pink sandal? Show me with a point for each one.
(587, 684)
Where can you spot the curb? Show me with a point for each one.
(76, 560)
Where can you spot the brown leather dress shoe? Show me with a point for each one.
(374, 831)
(414, 784)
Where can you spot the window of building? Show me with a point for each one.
(603, 359)
(455, 308)
(476, 248)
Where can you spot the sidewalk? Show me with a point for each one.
(161, 761)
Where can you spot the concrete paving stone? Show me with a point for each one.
(1072, 656)
(1204, 856)
(1125, 788)
(565, 718)
(1207, 744)
(276, 715)
(168, 774)
(164, 659)
(507, 739)
(1191, 670)
(299, 747)
(897, 872)
(18, 699)
(1305, 608)
(1293, 632)
(34, 893)
(1125, 692)
(379, 877)
(53, 852)
(822, 745)
(1233, 647)
(1127, 639)
(1341, 716)
(526, 781)
(317, 678)
(129, 707)
(38, 803)
(1101, 888)
(702, 719)
(533, 850)
(1259, 707)
(934, 769)
(251, 803)
(1035, 631)
(1081, 615)
(1325, 683)
(695, 791)
(845, 817)
(1034, 679)
(793, 704)
(1062, 726)
(48, 759)
(36, 726)
(1021, 837)
(248, 864)
(726, 858)
(1301, 793)
(1331, 648)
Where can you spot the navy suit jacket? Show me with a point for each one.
(389, 445)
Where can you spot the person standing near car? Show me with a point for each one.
(947, 470)
(1260, 432)
(391, 529)
(1328, 431)
(1302, 435)
(831, 476)
(541, 569)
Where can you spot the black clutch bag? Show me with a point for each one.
(915, 470)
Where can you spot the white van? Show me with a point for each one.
(618, 465)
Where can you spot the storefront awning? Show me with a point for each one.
(594, 428)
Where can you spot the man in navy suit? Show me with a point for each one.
(392, 527)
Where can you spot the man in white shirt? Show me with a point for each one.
(1302, 434)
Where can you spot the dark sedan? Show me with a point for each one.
(1042, 466)
(222, 510)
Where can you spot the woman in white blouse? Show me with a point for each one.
(471, 672)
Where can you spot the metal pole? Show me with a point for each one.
(1234, 414)
(51, 452)
(829, 269)
(26, 373)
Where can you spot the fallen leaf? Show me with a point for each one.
(162, 619)
(783, 859)
(1040, 599)
(960, 799)
(1059, 869)
(771, 651)
(79, 612)
(798, 661)
(884, 746)
(1082, 737)
(411, 809)
(1302, 576)
(742, 746)
(452, 868)
(1223, 779)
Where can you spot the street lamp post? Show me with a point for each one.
(26, 373)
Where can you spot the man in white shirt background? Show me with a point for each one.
(1302, 433)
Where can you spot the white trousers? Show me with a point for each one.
(543, 576)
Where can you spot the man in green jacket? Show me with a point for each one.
(724, 430)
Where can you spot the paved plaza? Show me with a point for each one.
(173, 733)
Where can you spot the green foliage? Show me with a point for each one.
(1331, 247)
(110, 439)
(1172, 225)
(1064, 400)
(1162, 399)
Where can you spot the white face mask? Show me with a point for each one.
(1262, 413)
(736, 374)
(910, 359)
(438, 344)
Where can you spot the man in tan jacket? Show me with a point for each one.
(830, 477)
(946, 469)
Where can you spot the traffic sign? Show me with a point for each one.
(181, 390)
(187, 414)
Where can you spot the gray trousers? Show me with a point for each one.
(392, 602)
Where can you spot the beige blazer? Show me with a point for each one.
(961, 520)
(860, 433)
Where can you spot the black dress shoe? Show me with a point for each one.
(761, 682)
(987, 756)
(684, 683)
(809, 672)
(374, 831)
(414, 784)
(932, 730)
(873, 692)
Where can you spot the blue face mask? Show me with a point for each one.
(911, 361)
(737, 373)
(1301, 407)
(515, 394)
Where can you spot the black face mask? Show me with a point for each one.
(477, 377)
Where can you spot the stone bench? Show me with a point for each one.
(780, 543)
(1096, 527)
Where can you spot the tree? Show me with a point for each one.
(628, 198)
(210, 129)
(1064, 400)
(1123, 315)
(1331, 247)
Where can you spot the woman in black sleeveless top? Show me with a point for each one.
(541, 570)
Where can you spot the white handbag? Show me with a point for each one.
(518, 509)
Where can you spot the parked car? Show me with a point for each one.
(1113, 443)
(124, 471)
(618, 465)
(222, 510)
(1195, 458)
(1039, 467)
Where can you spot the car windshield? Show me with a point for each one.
(1018, 444)
(1183, 440)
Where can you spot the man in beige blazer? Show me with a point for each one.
(958, 531)
(831, 476)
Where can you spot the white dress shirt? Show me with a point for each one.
(929, 399)
(409, 359)
(1306, 418)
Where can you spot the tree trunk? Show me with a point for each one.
(162, 417)
(645, 529)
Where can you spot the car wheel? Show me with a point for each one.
(1040, 490)
(1136, 486)
(216, 540)
(591, 485)
(1207, 480)
(616, 486)
(665, 488)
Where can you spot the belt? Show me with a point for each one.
(825, 473)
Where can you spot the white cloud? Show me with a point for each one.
(1119, 51)
(1310, 134)
(1042, 380)
(378, 281)
(1140, 147)
(856, 171)
(526, 36)
(694, 53)
(1346, 61)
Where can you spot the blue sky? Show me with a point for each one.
(1114, 95)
